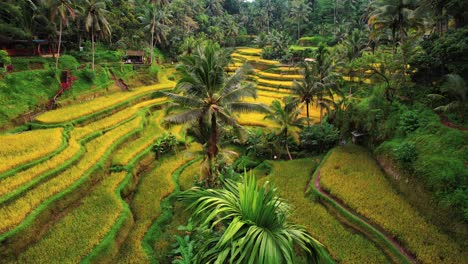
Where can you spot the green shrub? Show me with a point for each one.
(165, 144)
(4, 58)
(405, 153)
(319, 138)
(409, 122)
(68, 62)
(153, 72)
(244, 163)
(88, 75)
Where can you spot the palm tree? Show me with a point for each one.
(355, 44)
(455, 93)
(398, 16)
(158, 22)
(152, 12)
(307, 89)
(63, 9)
(95, 20)
(287, 117)
(209, 97)
(300, 12)
(329, 78)
(255, 224)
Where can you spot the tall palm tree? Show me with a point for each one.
(300, 12)
(287, 117)
(307, 89)
(63, 9)
(398, 16)
(158, 22)
(152, 12)
(329, 78)
(355, 44)
(255, 224)
(454, 92)
(209, 97)
(95, 21)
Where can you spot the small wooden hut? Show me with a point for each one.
(134, 57)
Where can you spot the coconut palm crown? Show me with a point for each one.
(208, 97)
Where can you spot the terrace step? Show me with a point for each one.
(85, 225)
(145, 206)
(25, 215)
(21, 151)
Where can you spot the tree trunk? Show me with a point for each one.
(298, 30)
(92, 45)
(152, 33)
(307, 110)
(59, 44)
(287, 147)
(212, 149)
(321, 114)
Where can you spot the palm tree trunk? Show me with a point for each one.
(212, 149)
(153, 22)
(307, 110)
(287, 147)
(92, 45)
(59, 43)
(298, 30)
(321, 114)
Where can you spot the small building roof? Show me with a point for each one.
(135, 53)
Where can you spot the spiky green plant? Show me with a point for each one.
(254, 225)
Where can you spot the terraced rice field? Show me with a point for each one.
(351, 168)
(87, 174)
(57, 186)
(344, 244)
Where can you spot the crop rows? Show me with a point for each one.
(344, 245)
(99, 104)
(351, 168)
(146, 203)
(152, 131)
(22, 181)
(84, 226)
(15, 212)
(18, 149)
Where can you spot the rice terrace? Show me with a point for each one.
(234, 131)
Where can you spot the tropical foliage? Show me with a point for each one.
(255, 226)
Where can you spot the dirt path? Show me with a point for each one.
(445, 121)
(390, 239)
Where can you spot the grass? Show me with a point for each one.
(100, 104)
(254, 59)
(285, 70)
(152, 131)
(14, 213)
(344, 245)
(17, 149)
(84, 226)
(352, 168)
(285, 92)
(357, 79)
(152, 189)
(249, 51)
(115, 119)
(301, 48)
(189, 176)
(16, 184)
(275, 84)
(279, 76)
(255, 119)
